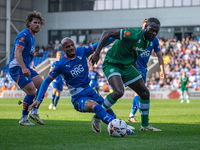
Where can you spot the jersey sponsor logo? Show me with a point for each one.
(127, 33)
(22, 39)
(146, 53)
(138, 49)
(77, 70)
(32, 50)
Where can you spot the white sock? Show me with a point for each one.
(131, 115)
(24, 118)
(187, 97)
(34, 111)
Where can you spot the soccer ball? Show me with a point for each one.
(117, 128)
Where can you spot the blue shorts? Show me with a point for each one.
(144, 74)
(58, 86)
(17, 75)
(94, 84)
(80, 99)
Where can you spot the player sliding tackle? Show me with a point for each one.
(118, 65)
(73, 66)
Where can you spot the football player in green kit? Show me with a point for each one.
(120, 65)
(184, 87)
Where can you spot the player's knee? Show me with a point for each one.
(118, 93)
(145, 95)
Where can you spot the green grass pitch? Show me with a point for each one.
(66, 128)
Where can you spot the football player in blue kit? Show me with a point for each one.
(19, 65)
(57, 84)
(142, 67)
(74, 69)
(93, 74)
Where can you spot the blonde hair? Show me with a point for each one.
(59, 52)
(32, 15)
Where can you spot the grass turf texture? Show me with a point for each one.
(66, 128)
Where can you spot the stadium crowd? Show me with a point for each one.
(178, 56)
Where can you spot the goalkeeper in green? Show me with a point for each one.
(184, 84)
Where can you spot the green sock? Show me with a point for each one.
(108, 102)
(144, 107)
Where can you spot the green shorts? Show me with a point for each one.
(183, 88)
(128, 73)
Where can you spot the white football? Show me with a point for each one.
(117, 128)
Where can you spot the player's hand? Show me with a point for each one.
(162, 75)
(94, 59)
(26, 72)
(35, 104)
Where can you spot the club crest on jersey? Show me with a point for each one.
(77, 70)
(79, 57)
(127, 33)
(22, 39)
(139, 41)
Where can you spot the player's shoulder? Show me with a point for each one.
(24, 33)
(155, 40)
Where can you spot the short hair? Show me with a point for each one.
(59, 52)
(145, 20)
(32, 15)
(155, 20)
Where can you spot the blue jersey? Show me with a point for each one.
(74, 71)
(26, 40)
(143, 58)
(59, 77)
(94, 76)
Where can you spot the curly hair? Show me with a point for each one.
(32, 15)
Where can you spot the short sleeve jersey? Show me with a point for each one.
(184, 81)
(74, 71)
(143, 58)
(126, 50)
(26, 40)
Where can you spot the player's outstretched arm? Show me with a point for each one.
(42, 91)
(103, 40)
(161, 63)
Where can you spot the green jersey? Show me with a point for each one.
(184, 81)
(126, 50)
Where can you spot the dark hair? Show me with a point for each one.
(155, 20)
(32, 15)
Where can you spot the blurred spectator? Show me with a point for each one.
(41, 51)
(32, 65)
(3, 88)
(2, 74)
(13, 87)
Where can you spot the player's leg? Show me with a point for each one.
(57, 99)
(135, 105)
(115, 81)
(187, 95)
(26, 84)
(144, 104)
(37, 80)
(30, 91)
(53, 95)
(182, 94)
